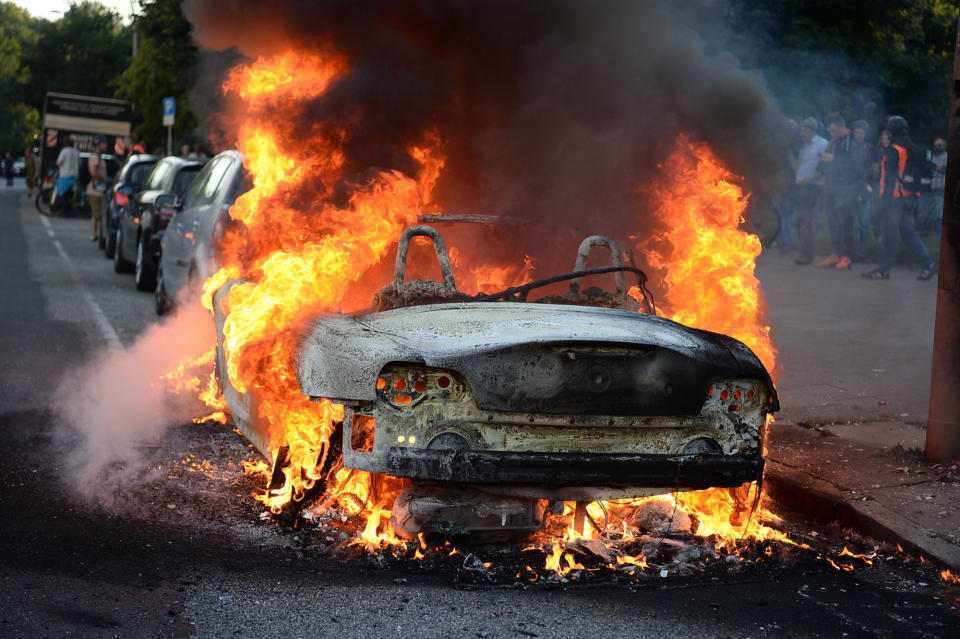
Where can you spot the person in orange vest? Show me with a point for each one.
(902, 165)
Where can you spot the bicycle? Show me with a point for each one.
(70, 204)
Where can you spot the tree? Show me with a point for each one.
(19, 122)
(81, 53)
(821, 55)
(163, 67)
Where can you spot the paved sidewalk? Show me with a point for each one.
(853, 373)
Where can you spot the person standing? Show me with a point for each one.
(868, 193)
(97, 184)
(844, 168)
(68, 162)
(198, 154)
(902, 167)
(932, 208)
(807, 186)
(8, 167)
(30, 171)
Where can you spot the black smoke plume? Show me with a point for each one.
(553, 110)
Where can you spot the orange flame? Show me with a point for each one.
(296, 262)
(300, 256)
(706, 259)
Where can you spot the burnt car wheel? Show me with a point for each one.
(145, 269)
(162, 302)
(120, 265)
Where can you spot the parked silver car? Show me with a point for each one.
(494, 406)
(187, 250)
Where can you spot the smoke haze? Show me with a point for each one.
(119, 402)
(554, 111)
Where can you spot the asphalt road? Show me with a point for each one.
(181, 549)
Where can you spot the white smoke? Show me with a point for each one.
(120, 401)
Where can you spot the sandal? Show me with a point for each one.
(876, 274)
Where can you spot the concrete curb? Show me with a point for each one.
(826, 503)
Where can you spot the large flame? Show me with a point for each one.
(299, 260)
(706, 258)
(300, 256)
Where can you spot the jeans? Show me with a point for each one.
(931, 211)
(900, 215)
(865, 211)
(783, 205)
(840, 205)
(805, 198)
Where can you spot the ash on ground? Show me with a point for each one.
(195, 481)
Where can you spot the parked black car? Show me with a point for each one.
(141, 225)
(127, 183)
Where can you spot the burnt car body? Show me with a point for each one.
(494, 409)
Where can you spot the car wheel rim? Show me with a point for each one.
(139, 261)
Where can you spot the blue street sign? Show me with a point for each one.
(169, 111)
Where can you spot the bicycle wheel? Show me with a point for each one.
(43, 201)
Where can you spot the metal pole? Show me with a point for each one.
(169, 140)
(943, 426)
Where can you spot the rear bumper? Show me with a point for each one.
(574, 469)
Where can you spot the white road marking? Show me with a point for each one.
(99, 317)
(46, 222)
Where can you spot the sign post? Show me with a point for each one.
(169, 113)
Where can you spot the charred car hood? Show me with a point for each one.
(531, 357)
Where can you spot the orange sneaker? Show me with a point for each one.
(831, 260)
(843, 262)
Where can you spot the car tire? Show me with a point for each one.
(111, 246)
(120, 265)
(101, 240)
(162, 302)
(145, 269)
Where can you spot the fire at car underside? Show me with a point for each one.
(494, 409)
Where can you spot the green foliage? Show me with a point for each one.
(18, 122)
(162, 68)
(81, 53)
(819, 56)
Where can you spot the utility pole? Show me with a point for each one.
(133, 27)
(943, 425)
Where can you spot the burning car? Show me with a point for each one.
(496, 407)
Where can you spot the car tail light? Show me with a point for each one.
(737, 395)
(166, 212)
(404, 386)
(120, 198)
(223, 218)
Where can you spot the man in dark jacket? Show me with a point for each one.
(844, 168)
(903, 164)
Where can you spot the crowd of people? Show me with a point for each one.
(890, 186)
